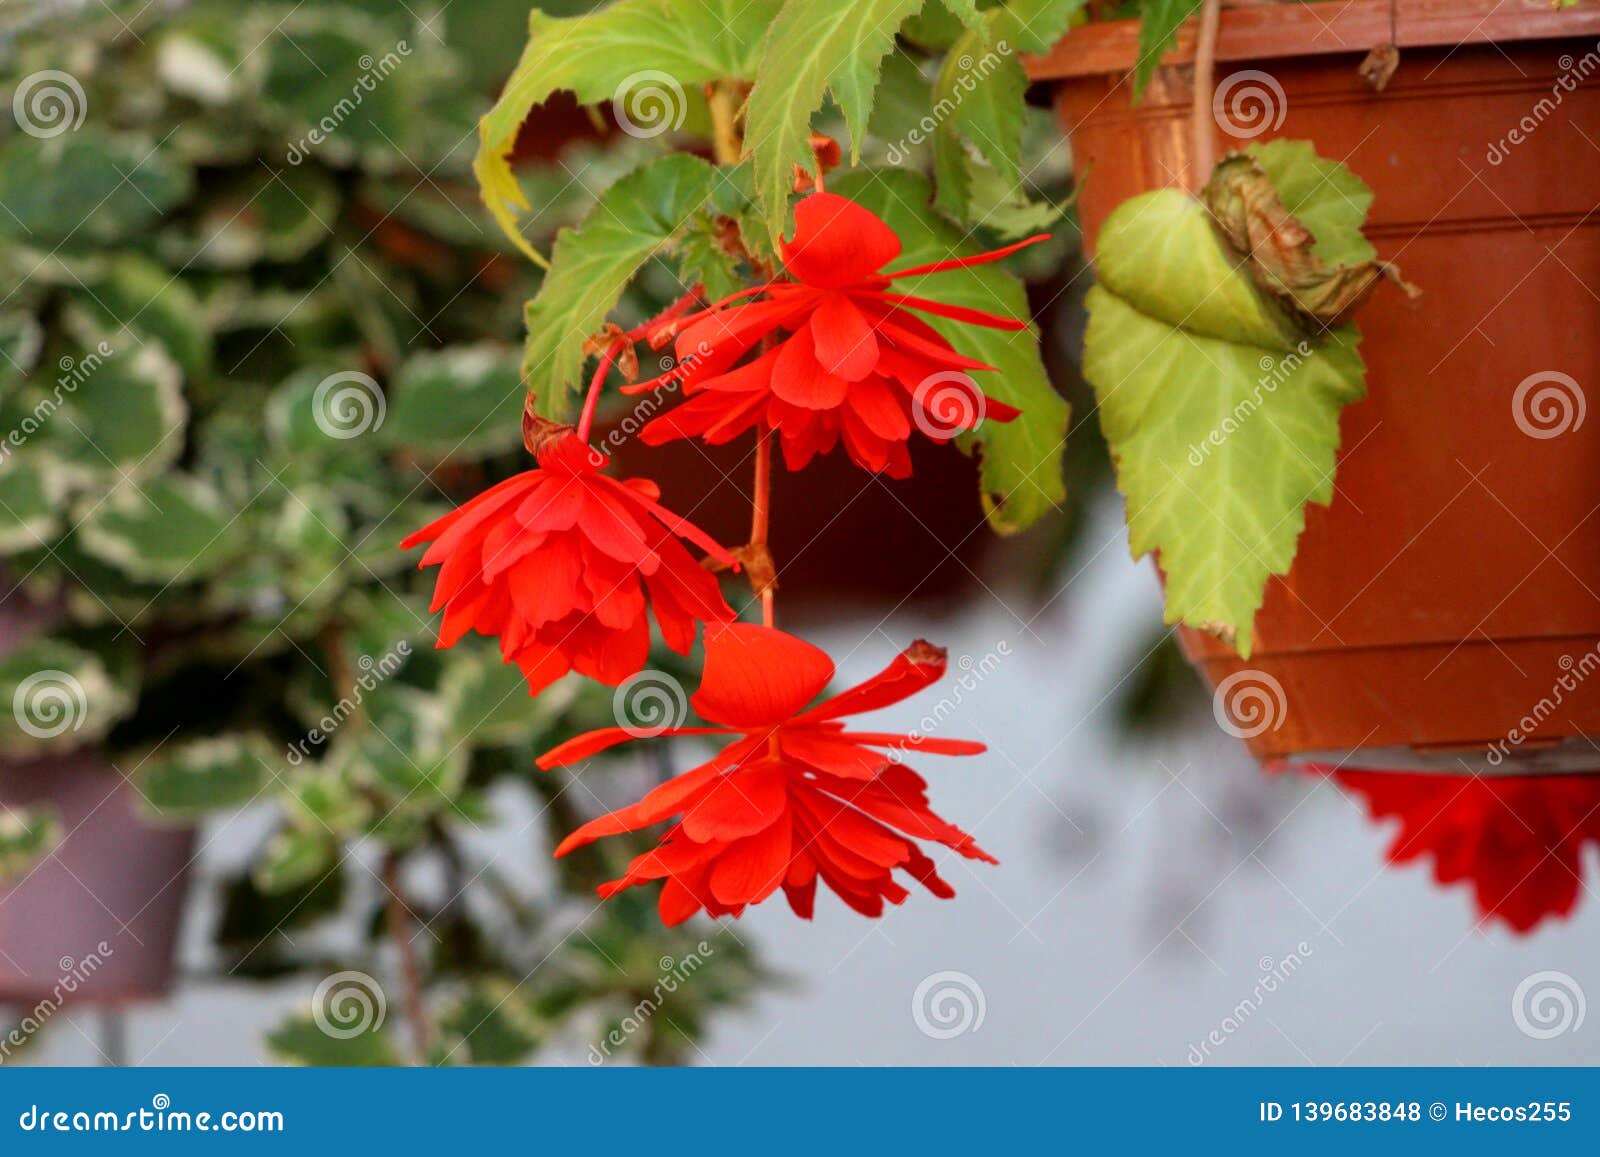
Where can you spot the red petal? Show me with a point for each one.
(751, 869)
(661, 803)
(975, 259)
(741, 803)
(801, 380)
(913, 669)
(758, 677)
(960, 313)
(843, 338)
(837, 242)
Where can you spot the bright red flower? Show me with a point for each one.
(1517, 839)
(853, 361)
(795, 798)
(557, 562)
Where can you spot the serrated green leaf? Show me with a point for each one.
(54, 695)
(648, 47)
(590, 267)
(187, 779)
(978, 99)
(1328, 198)
(1021, 460)
(1222, 420)
(1159, 21)
(26, 835)
(459, 401)
(816, 47)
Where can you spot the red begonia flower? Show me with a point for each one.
(849, 361)
(557, 562)
(1518, 840)
(796, 798)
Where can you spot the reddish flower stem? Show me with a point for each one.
(616, 345)
(761, 514)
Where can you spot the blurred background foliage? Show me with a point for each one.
(195, 534)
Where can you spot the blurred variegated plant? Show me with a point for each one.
(256, 325)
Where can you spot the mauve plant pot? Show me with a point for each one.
(1449, 594)
(104, 908)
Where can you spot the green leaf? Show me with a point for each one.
(294, 858)
(978, 99)
(1021, 460)
(302, 1041)
(26, 835)
(488, 702)
(1159, 21)
(121, 415)
(1223, 420)
(85, 188)
(140, 295)
(648, 49)
(815, 47)
(493, 1025)
(33, 489)
(55, 695)
(183, 780)
(465, 400)
(637, 217)
(171, 528)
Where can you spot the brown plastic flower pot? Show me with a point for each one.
(1444, 611)
(97, 920)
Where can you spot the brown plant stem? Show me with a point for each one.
(399, 920)
(761, 515)
(1205, 79)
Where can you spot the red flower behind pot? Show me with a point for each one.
(849, 362)
(557, 562)
(1518, 840)
(796, 798)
